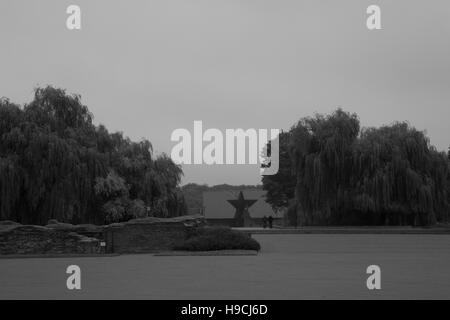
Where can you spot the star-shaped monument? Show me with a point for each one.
(241, 205)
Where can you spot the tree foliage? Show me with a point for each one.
(56, 164)
(280, 187)
(345, 175)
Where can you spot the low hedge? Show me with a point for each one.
(218, 238)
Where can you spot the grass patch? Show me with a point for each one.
(218, 238)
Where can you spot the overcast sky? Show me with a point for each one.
(149, 67)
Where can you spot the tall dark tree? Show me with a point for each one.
(377, 176)
(399, 178)
(56, 164)
(321, 150)
(280, 187)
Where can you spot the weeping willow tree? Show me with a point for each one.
(377, 176)
(56, 164)
(280, 187)
(401, 178)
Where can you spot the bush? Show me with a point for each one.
(218, 238)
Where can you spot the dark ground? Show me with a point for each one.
(291, 266)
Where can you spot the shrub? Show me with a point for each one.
(218, 238)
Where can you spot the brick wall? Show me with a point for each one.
(144, 237)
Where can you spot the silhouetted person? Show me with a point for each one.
(270, 222)
(264, 219)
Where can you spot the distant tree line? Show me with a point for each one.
(332, 172)
(56, 164)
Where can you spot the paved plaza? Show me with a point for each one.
(290, 266)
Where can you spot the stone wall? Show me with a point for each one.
(21, 239)
(88, 230)
(134, 236)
